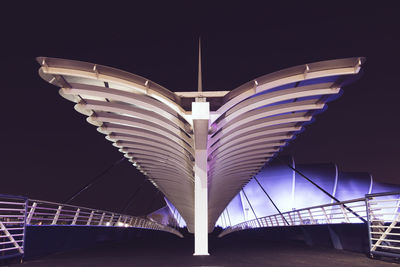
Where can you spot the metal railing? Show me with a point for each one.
(51, 213)
(18, 212)
(384, 223)
(350, 211)
(12, 226)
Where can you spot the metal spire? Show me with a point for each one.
(199, 81)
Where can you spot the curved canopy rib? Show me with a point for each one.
(258, 119)
(141, 118)
(249, 126)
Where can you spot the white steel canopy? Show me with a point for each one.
(152, 127)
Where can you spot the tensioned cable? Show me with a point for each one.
(93, 181)
(273, 203)
(324, 191)
(251, 207)
(128, 203)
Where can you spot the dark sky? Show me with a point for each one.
(49, 151)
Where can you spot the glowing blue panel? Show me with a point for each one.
(383, 187)
(277, 180)
(178, 218)
(352, 185)
(306, 194)
(235, 210)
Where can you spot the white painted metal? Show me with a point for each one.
(384, 223)
(32, 210)
(55, 219)
(75, 217)
(200, 116)
(294, 184)
(50, 213)
(13, 218)
(311, 215)
(4, 229)
(147, 123)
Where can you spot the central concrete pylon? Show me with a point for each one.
(200, 115)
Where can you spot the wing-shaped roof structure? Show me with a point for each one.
(260, 117)
(153, 127)
(141, 118)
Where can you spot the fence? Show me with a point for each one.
(384, 223)
(12, 226)
(351, 211)
(18, 212)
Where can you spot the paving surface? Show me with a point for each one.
(224, 252)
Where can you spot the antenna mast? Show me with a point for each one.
(199, 81)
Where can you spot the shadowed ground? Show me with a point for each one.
(172, 251)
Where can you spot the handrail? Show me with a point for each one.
(39, 213)
(382, 194)
(321, 214)
(17, 212)
(383, 224)
(12, 225)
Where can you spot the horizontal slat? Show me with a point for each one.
(7, 249)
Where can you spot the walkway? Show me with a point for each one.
(224, 252)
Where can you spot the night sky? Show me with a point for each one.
(48, 151)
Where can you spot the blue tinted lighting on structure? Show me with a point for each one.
(277, 179)
(318, 80)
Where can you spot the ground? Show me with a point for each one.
(224, 252)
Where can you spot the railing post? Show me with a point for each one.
(276, 220)
(326, 216)
(301, 219)
(119, 218)
(31, 212)
(111, 219)
(102, 218)
(290, 218)
(368, 222)
(344, 213)
(76, 216)
(56, 215)
(311, 217)
(90, 218)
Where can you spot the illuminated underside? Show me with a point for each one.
(153, 126)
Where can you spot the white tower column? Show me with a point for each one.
(200, 115)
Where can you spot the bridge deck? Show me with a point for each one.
(224, 252)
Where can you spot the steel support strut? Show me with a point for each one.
(244, 193)
(93, 181)
(323, 190)
(270, 199)
(129, 201)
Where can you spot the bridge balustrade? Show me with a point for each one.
(12, 226)
(383, 212)
(351, 211)
(380, 211)
(18, 212)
